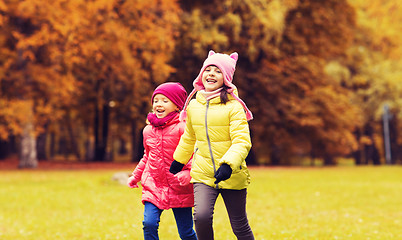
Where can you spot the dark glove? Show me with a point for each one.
(176, 167)
(223, 173)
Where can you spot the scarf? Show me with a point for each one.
(210, 95)
(159, 122)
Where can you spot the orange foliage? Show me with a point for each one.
(283, 47)
(69, 56)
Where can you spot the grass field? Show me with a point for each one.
(283, 203)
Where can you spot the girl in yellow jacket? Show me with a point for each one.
(217, 132)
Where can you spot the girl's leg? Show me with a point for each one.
(184, 221)
(235, 202)
(152, 216)
(204, 202)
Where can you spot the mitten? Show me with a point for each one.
(223, 173)
(183, 177)
(131, 182)
(176, 167)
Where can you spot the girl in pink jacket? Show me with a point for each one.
(161, 190)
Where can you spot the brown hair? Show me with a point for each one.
(224, 94)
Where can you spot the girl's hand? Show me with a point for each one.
(224, 172)
(131, 182)
(183, 177)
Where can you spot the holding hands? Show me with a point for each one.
(183, 177)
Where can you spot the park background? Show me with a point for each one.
(322, 78)
(319, 76)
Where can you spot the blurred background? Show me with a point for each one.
(322, 78)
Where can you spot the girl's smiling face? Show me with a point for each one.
(162, 106)
(212, 78)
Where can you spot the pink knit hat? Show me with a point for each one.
(174, 91)
(227, 64)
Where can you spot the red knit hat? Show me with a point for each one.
(227, 64)
(174, 91)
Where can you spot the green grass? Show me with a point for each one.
(283, 203)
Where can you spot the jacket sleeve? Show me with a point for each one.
(139, 169)
(185, 148)
(240, 136)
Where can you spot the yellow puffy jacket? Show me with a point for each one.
(216, 133)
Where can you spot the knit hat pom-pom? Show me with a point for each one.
(183, 115)
(249, 116)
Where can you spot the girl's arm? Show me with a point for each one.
(137, 173)
(139, 169)
(240, 136)
(185, 148)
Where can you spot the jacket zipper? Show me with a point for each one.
(209, 142)
(195, 152)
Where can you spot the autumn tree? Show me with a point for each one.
(7, 119)
(20, 87)
(373, 71)
(284, 47)
(127, 55)
(82, 62)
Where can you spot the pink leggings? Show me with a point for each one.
(235, 202)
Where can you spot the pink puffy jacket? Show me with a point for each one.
(159, 186)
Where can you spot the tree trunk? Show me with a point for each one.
(41, 144)
(122, 146)
(275, 156)
(28, 157)
(63, 148)
(105, 131)
(328, 160)
(52, 144)
(137, 146)
(4, 149)
(312, 156)
(101, 139)
(371, 151)
(357, 155)
(134, 140)
(99, 154)
(376, 156)
(73, 140)
(393, 130)
(96, 132)
(89, 151)
(372, 154)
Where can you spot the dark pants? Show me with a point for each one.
(184, 222)
(235, 202)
